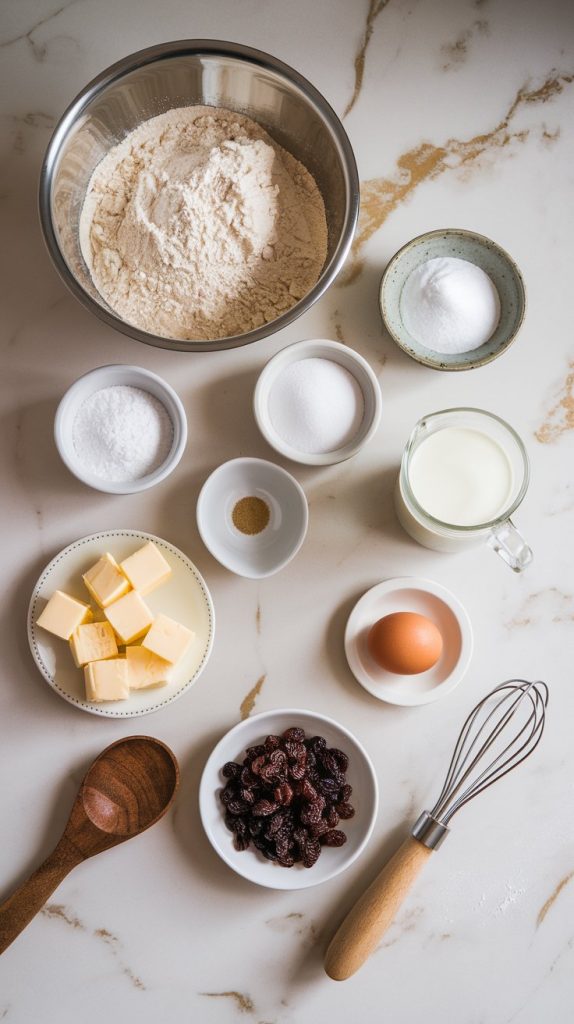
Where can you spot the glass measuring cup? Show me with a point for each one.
(499, 531)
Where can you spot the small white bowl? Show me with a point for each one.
(110, 376)
(250, 863)
(347, 358)
(261, 554)
(410, 594)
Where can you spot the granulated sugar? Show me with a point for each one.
(316, 405)
(450, 305)
(122, 433)
(199, 226)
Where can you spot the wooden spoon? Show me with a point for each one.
(127, 789)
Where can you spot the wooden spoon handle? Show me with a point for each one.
(369, 919)
(19, 909)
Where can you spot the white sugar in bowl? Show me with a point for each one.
(117, 375)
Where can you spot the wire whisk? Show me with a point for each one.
(507, 725)
(502, 730)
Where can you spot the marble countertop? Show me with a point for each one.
(460, 114)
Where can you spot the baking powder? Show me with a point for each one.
(122, 433)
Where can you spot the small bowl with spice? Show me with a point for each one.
(252, 516)
(317, 402)
(120, 429)
(452, 299)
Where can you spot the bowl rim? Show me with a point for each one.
(173, 406)
(201, 513)
(181, 48)
(291, 713)
(291, 354)
(482, 240)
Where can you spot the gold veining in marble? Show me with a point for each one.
(375, 8)
(258, 619)
(560, 418)
(553, 897)
(550, 604)
(455, 54)
(59, 911)
(248, 702)
(301, 927)
(381, 196)
(244, 1003)
(338, 327)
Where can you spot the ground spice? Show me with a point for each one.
(250, 515)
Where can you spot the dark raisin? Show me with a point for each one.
(345, 811)
(264, 807)
(237, 807)
(240, 842)
(248, 779)
(283, 794)
(231, 770)
(256, 751)
(297, 771)
(294, 733)
(331, 817)
(272, 743)
(346, 793)
(308, 791)
(334, 838)
(311, 853)
(318, 829)
(258, 763)
(247, 795)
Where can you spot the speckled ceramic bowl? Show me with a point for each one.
(464, 245)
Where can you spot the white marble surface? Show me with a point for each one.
(464, 118)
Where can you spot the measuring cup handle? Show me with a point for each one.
(511, 546)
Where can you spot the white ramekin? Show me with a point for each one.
(105, 377)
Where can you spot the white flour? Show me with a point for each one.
(198, 226)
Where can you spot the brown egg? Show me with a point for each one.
(405, 643)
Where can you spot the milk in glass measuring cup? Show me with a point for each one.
(464, 472)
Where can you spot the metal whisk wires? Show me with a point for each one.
(506, 725)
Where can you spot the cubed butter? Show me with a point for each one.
(93, 642)
(168, 639)
(146, 569)
(105, 581)
(63, 614)
(107, 680)
(145, 669)
(129, 617)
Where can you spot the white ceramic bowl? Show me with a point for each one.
(425, 597)
(352, 362)
(105, 377)
(250, 863)
(261, 554)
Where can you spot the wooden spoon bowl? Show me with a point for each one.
(129, 787)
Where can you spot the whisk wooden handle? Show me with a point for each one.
(369, 919)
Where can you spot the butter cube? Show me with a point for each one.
(145, 669)
(105, 581)
(129, 617)
(168, 639)
(93, 642)
(63, 614)
(107, 680)
(146, 569)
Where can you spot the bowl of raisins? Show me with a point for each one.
(288, 798)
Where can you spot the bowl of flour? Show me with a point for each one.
(199, 195)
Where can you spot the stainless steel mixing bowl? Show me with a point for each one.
(177, 74)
